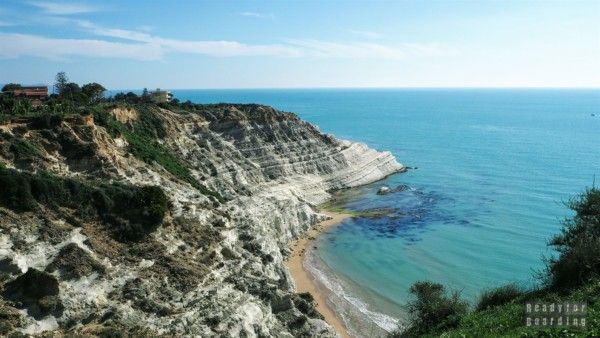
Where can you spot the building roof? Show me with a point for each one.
(30, 91)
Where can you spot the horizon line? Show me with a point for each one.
(337, 88)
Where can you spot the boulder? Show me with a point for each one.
(383, 190)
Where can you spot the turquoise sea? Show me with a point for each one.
(494, 166)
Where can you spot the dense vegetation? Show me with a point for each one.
(434, 309)
(573, 275)
(70, 99)
(578, 245)
(498, 296)
(132, 211)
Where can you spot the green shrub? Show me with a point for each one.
(23, 149)
(133, 212)
(45, 121)
(578, 244)
(498, 296)
(149, 124)
(141, 210)
(18, 148)
(103, 118)
(433, 310)
(16, 191)
(72, 148)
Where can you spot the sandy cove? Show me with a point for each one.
(304, 280)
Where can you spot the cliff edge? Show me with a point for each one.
(155, 221)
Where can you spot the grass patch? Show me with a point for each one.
(23, 148)
(18, 149)
(508, 320)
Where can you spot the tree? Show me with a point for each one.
(61, 81)
(71, 91)
(432, 310)
(131, 97)
(578, 244)
(146, 96)
(9, 87)
(93, 91)
(119, 96)
(6, 104)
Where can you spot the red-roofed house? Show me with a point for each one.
(31, 92)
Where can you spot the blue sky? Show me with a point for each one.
(291, 44)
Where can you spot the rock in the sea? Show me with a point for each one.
(401, 187)
(383, 190)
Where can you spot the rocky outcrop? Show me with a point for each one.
(73, 262)
(215, 266)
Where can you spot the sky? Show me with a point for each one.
(302, 44)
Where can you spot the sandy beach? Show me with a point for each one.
(304, 281)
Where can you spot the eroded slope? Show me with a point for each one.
(241, 182)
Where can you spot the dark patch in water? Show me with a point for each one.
(407, 215)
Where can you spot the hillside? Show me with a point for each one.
(148, 220)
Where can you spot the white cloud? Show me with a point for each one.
(16, 45)
(63, 8)
(257, 15)
(332, 49)
(321, 48)
(291, 47)
(211, 48)
(139, 45)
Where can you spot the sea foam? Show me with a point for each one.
(358, 317)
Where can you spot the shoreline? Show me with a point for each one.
(304, 280)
